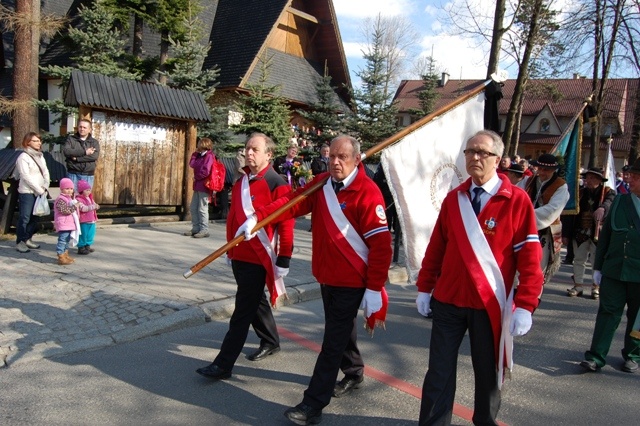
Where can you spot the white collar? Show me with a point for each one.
(491, 186)
(347, 181)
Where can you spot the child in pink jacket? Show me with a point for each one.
(88, 217)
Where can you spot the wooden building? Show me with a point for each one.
(147, 133)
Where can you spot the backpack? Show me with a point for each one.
(215, 181)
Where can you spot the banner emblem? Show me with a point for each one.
(445, 178)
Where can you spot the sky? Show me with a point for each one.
(453, 54)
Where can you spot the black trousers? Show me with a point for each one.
(251, 308)
(339, 344)
(438, 391)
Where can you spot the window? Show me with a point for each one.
(544, 126)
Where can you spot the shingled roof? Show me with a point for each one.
(619, 102)
(238, 33)
(297, 78)
(117, 94)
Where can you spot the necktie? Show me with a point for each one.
(475, 203)
(337, 186)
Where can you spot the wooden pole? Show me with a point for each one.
(318, 183)
(187, 179)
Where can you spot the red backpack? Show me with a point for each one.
(215, 181)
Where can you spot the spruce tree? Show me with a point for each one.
(375, 118)
(428, 95)
(184, 71)
(323, 114)
(264, 110)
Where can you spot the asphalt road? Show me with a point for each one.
(153, 380)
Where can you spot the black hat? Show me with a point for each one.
(515, 168)
(626, 168)
(546, 160)
(599, 172)
(636, 167)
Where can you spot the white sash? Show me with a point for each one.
(493, 274)
(269, 246)
(343, 224)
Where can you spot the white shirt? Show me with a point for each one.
(490, 189)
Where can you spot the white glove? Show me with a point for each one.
(247, 226)
(423, 302)
(371, 302)
(598, 215)
(73, 202)
(597, 277)
(281, 272)
(227, 259)
(520, 322)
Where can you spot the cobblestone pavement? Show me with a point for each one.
(131, 287)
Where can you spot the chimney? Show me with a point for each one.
(577, 76)
(444, 79)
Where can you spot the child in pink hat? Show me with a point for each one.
(88, 217)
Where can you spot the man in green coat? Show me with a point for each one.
(616, 269)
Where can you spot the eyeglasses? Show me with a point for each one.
(479, 152)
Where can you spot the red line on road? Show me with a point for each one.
(458, 410)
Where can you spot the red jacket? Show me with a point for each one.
(444, 269)
(264, 188)
(359, 202)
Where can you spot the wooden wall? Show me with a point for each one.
(139, 173)
(294, 36)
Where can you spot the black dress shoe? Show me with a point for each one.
(212, 371)
(262, 353)
(302, 414)
(346, 385)
(589, 365)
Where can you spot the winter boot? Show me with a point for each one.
(64, 259)
(69, 258)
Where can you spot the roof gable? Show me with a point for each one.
(301, 36)
(238, 33)
(548, 114)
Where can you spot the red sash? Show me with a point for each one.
(485, 273)
(263, 246)
(350, 245)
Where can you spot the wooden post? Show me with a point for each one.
(189, 148)
(84, 113)
(9, 207)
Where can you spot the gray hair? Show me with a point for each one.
(354, 143)
(270, 146)
(498, 145)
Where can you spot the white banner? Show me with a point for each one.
(423, 167)
(610, 172)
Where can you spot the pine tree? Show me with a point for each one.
(323, 114)
(264, 110)
(99, 48)
(375, 117)
(184, 71)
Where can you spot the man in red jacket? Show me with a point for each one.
(263, 260)
(485, 232)
(351, 257)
